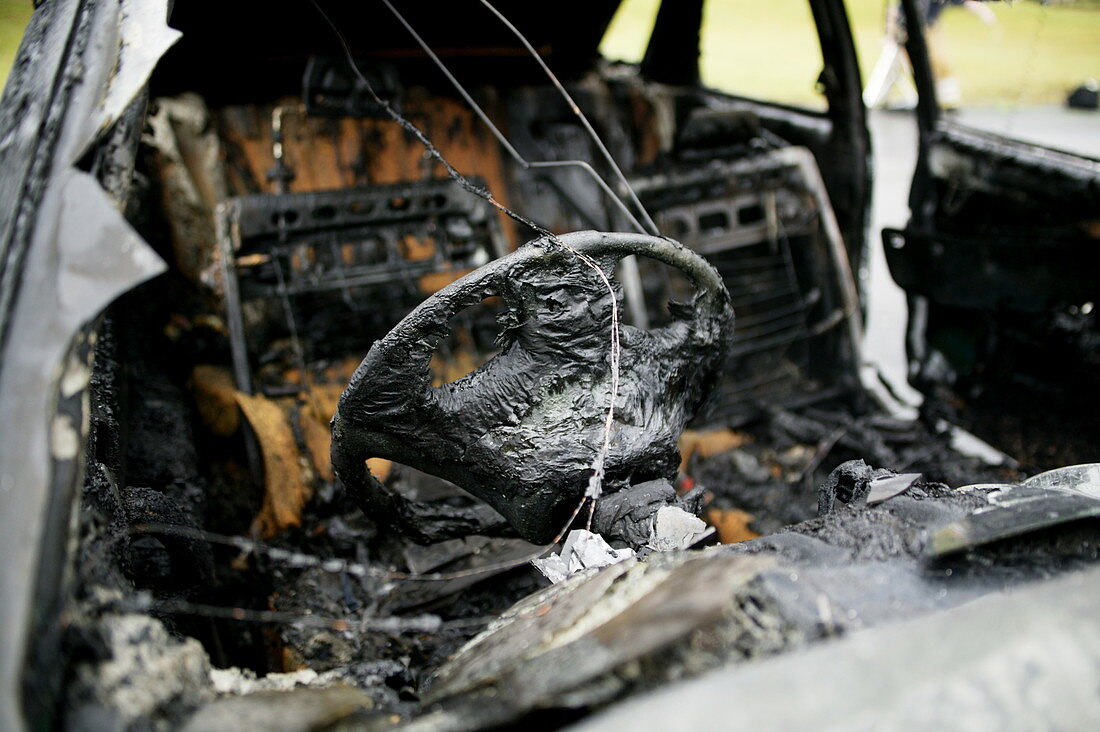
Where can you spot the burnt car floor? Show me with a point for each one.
(240, 561)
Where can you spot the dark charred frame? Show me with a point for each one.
(59, 46)
(59, 34)
(1001, 263)
(59, 39)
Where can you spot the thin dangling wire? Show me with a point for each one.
(595, 484)
(523, 162)
(299, 560)
(575, 108)
(632, 282)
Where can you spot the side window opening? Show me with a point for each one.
(629, 31)
(1005, 68)
(767, 51)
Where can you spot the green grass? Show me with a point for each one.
(768, 49)
(14, 15)
(1034, 54)
(760, 48)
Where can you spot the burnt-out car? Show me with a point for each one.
(212, 212)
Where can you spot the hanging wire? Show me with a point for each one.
(577, 111)
(649, 226)
(299, 560)
(465, 183)
(333, 565)
(341, 566)
(631, 276)
(595, 484)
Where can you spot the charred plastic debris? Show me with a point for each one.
(230, 572)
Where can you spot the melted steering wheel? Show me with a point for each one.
(522, 430)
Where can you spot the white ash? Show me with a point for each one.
(674, 528)
(582, 550)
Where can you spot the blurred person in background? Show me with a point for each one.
(893, 69)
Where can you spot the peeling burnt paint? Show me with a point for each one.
(67, 252)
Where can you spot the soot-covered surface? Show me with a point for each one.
(784, 457)
(393, 641)
(520, 432)
(171, 628)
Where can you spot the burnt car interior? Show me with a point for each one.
(302, 221)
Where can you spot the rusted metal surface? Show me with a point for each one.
(328, 154)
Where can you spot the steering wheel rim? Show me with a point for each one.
(393, 382)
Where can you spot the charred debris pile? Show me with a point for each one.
(293, 614)
(170, 448)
